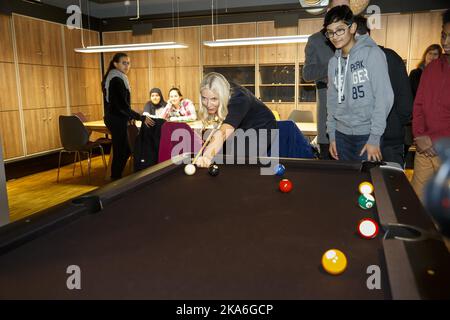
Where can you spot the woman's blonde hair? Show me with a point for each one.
(219, 85)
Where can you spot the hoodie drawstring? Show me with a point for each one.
(341, 83)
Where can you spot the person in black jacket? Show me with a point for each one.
(118, 112)
(392, 146)
(433, 52)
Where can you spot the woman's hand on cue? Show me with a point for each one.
(203, 162)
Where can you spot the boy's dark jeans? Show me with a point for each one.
(349, 146)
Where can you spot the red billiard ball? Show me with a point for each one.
(285, 185)
(368, 228)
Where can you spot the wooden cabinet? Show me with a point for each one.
(284, 109)
(379, 35)
(163, 78)
(307, 27)
(187, 79)
(42, 86)
(72, 40)
(214, 56)
(425, 31)
(140, 90)
(38, 42)
(55, 94)
(53, 126)
(398, 34)
(11, 134)
(191, 55)
(282, 53)
(36, 130)
(6, 53)
(42, 129)
(242, 54)
(138, 59)
(33, 88)
(84, 86)
(91, 112)
(8, 87)
(166, 57)
(238, 55)
(177, 57)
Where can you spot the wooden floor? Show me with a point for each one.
(40, 191)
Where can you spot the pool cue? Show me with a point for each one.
(206, 142)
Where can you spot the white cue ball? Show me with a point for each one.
(189, 169)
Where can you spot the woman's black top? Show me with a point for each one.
(245, 111)
(414, 79)
(119, 104)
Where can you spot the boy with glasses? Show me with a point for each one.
(359, 96)
(431, 113)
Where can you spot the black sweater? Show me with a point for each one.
(414, 78)
(401, 112)
(119, 101)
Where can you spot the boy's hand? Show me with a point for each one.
(373, 152)
(333, 150)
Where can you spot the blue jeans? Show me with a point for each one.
(349, 146)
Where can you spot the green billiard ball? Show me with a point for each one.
(366, 201)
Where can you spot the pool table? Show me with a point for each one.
(160, 234)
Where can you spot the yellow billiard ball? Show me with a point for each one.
(365, 188)
(334, 261)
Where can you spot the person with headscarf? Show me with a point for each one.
(155, 106)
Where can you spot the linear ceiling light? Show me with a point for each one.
(132, 47)
(127, 47)
(256, 41)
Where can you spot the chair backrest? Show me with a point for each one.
(276, 115)
(301, 116)
(72, 133)
(292, 142)
(81, 116)
(132, 133)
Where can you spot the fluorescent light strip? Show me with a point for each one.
(132, 47)
(256, 41)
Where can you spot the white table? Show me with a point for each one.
(307, 128)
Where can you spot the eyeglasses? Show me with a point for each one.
(338, 32)
(126, 63)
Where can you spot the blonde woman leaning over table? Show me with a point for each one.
(234, 107)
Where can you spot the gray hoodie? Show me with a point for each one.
(360, 103)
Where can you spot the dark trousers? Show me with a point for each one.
(121, 150)
(349, 146)
(394, 153)
(325, 152)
